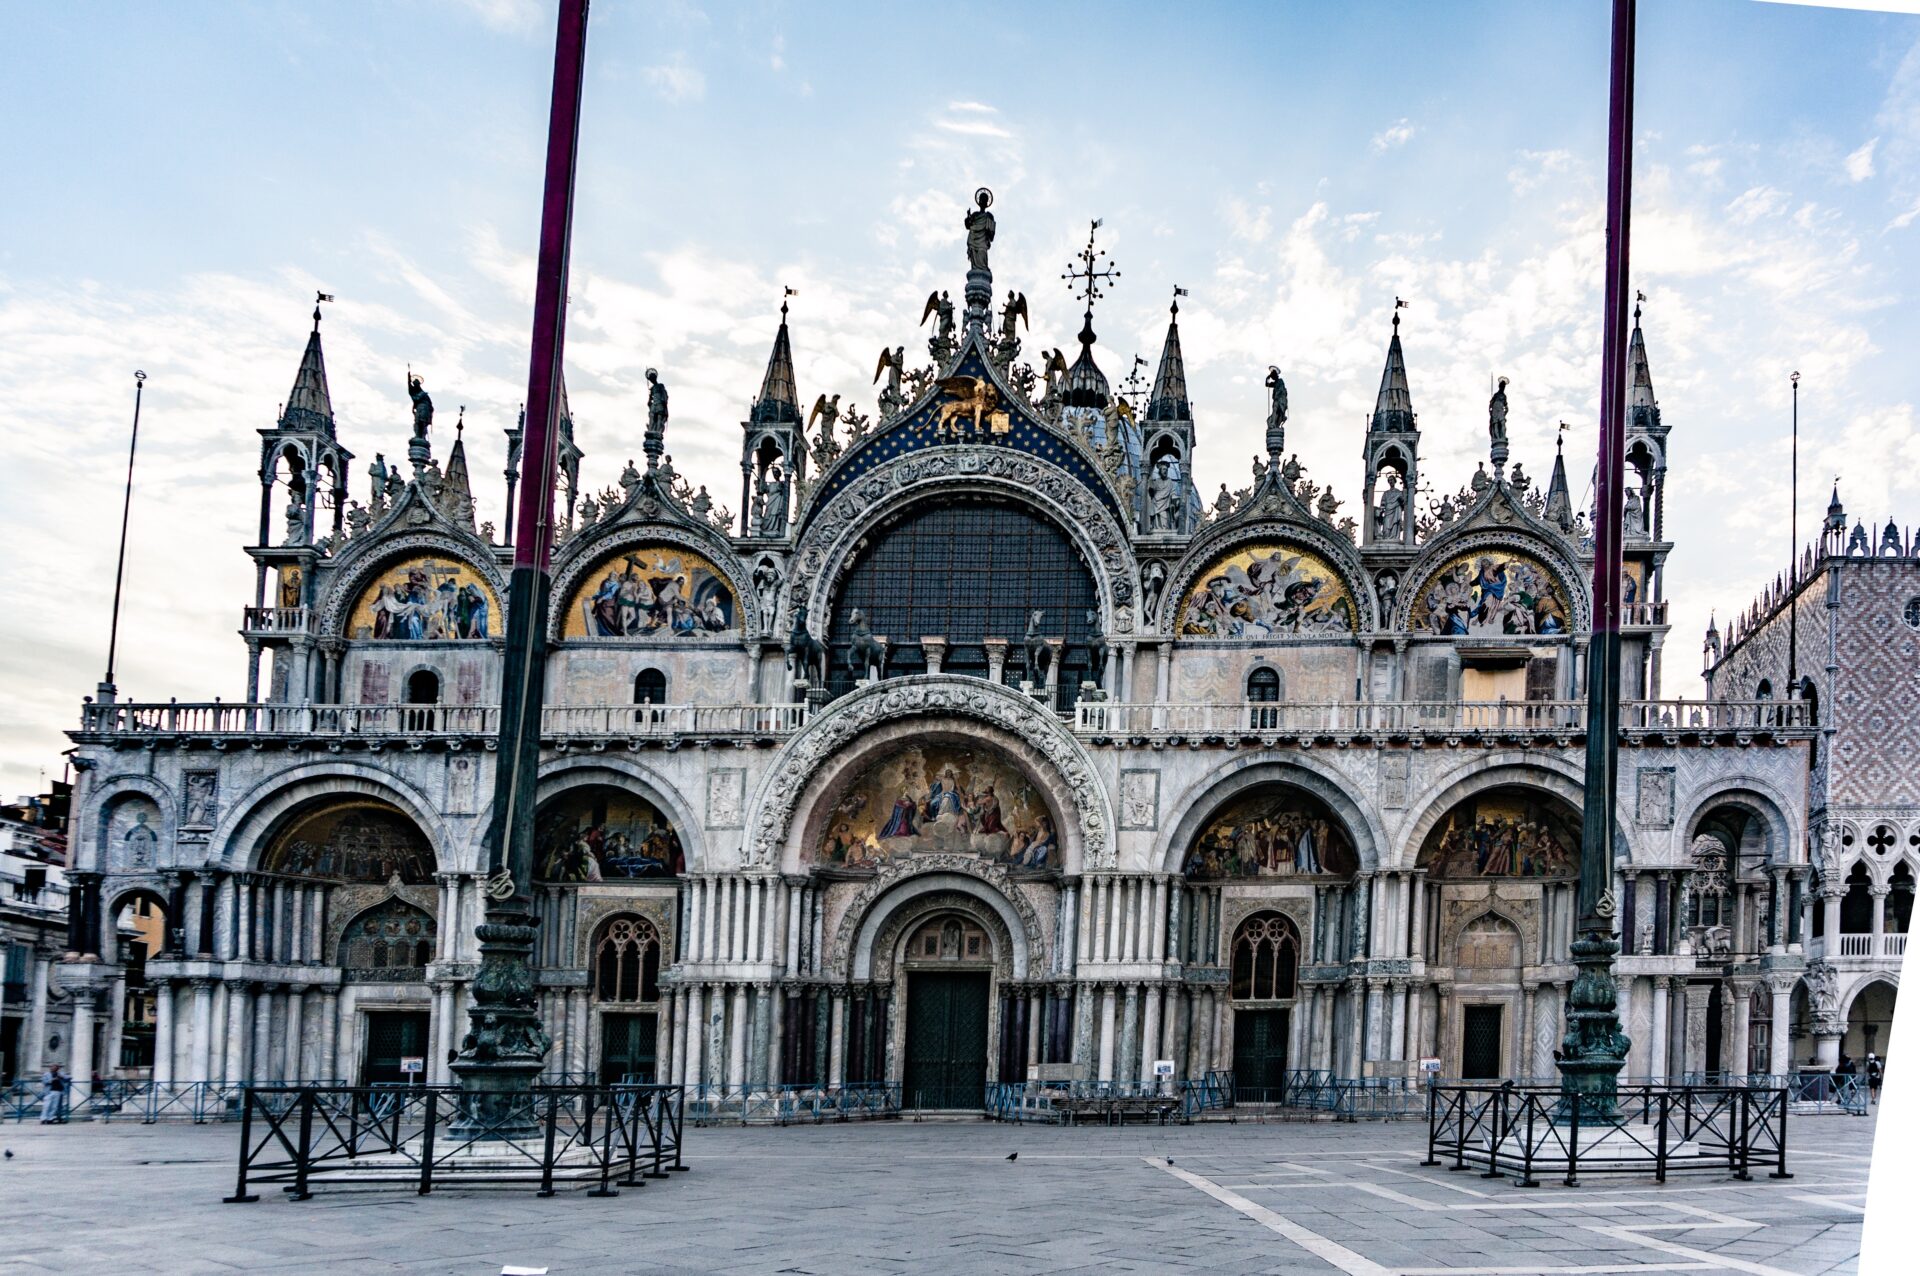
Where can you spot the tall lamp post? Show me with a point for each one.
(107, 691)
(1594, 1048)
(506, 1044)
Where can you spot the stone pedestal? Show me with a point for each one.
(506, 1046)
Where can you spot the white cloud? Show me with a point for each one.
(778, 58)
(1860, 162)
(1395, 134)
(1537, 168)
(1754, 203)
(677, 81)
(506, 15)
(1905, 219)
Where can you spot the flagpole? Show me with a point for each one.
(106, 692)
(506, 1045)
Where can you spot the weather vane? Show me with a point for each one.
(1134, 388)
(1085, 282)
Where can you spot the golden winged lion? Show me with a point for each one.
(974, 401)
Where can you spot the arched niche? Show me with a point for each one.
(387, 942)
(582, 771)
(1491, 591)
(936, 795)
(626, 960)
(1275, 830)
(425, 598)
(1510, 830)
(871, 939)
(652, 590)
(350, 839)
(604, 832)
(131, 828)
(1749, 817)
(1217, 794)
(1268, 589)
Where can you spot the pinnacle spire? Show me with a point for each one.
(1559, 506)
(1086, 385)
(1168, 400)
(309, 404)
(456, 491)
(1393, 407)
(1643, 410)
(779, 399)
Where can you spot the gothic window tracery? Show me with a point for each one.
(626, 961)
(1266, 958)
(1707, 886)
(391, 941)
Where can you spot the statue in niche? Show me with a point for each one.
(766, 587)
(1277, 414)
(1153, 582)
(296, 521)
(1633, 516)
(656, 436)
(422, 406)
(1388, 587)
(980, 228)
(771, 500)
(1163, 497)
(1497, 416)
(1390, 512)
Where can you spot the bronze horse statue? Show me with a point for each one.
(806, 655)
(865, 654)
(1039, 654)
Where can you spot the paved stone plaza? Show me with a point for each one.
(941, 1197)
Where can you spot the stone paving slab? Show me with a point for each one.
(889, 1199)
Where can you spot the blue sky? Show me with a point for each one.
(181, 178)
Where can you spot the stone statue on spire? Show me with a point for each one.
(1497, 415)
(422, 406)
(980, 227)
(1277, 414)
(656, 437)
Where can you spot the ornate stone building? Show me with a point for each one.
(1835, 639)
(975, 742)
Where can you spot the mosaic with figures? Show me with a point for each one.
(1504, 833)
(940, 798)
(1491, 594)
(1271, 832)
(351, 842)
(1266, 590)
(601, 834)
(426, 600)
(652, 592)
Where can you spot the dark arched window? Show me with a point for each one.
(1856, 906)
(626, 961)
(1764, 691)
(423, 687)
(1900, 900)
(1266, 957)
(650, 687)
(967, 569)
(1263, 688)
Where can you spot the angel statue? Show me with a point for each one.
(827, 412)
(939, 304)
(892, 363)
(979, 223)
(1010, 317)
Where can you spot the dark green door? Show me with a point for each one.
(946, 1039)
(1259, 1055)
(1479, 1043)
(627, 1049)
(394, 1036)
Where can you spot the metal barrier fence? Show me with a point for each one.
(1808, 1092)
(1654, 1129)
(1072, 1102)
(756, 1103)
(144, 1101)
(599, 1137)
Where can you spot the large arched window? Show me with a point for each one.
(423, 687)
(1266, 958)
(1263, 688)
(390, 941)
(1856, 906)
(650, 687)
(967, 569)
(626, 961)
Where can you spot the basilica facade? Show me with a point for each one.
(977, 746)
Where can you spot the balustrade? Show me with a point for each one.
(402, 720)
(257, 621)
(1547, 717)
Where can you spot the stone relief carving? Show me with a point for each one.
(726, 798)
(898, 698)
(1140, 799)
(886, 946)
(993, 875)
(1653, 804)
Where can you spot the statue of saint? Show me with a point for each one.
(1497, 414)
(1163, 495)
(629, 478)
(422, 406)
(377, 477)
(1277, 414)
(773, 501)
(979, 224)
(1390, 514)
(656, 436)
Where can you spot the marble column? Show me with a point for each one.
(1036, 1010)
(696, 1036)
(163, 1013)
(199, 1049)
(1397, 1033)
(1149, 1032)
(261, 1069)
(33, 1054)
(116, 1024)
(1657, 1045)
(1107, 994)
(1416, 998)
(296, 1033)
(1695, 1053)
(328, 1045)
(1370, 1049)
(1780, 1043)
(737, 1046)
(1741, 1005)
(80, 1044)
(239, 1030)
(837, 1042)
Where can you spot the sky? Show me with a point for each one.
(181, 179)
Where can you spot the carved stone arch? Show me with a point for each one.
(887, 908)
(106, 794)
(832, 536)
(1891, 978)
(1211, 546)
(586, 554)
(1556, 777)
(1756, 798)
(1454, 923)
(1550, 550)
(365, 558)
(246, 828)
(1205, 797)
(565, 774)
(879, 714)
(122, 891)
(352, 902)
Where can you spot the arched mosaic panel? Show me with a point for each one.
(600, 833)
(1504, 832)
(652, 591)
(352, 841)
(426, 599)
(1491, 593)
(1276, 831)
(940, 799)
(1265, 590)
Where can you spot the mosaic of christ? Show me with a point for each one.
(1267, 590)
(1270, 833)
(1505, 833)
(940, 798)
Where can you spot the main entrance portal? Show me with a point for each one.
(946, 1039)
(1259, 1055)
(394, 1037)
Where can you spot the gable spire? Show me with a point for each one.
(1643, 409)
(779, 399)
(1393, 407)
(1168, 400)
(309, 404)
(1559, 507)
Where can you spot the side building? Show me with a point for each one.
(975, 742)
(1837, 639)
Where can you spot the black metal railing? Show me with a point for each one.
(1656, 1129)
(601, 1138)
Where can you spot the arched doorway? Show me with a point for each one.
(1486, 964)
(139, 930)
(626, 985)
(388, 944)
(948, 960)
(1870, 1022)
(1264, 964)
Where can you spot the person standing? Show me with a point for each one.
(53, 1103)
(1874, 1071)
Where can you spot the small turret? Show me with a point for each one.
(1392, 444)
(1167, 494)
(774, 448)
